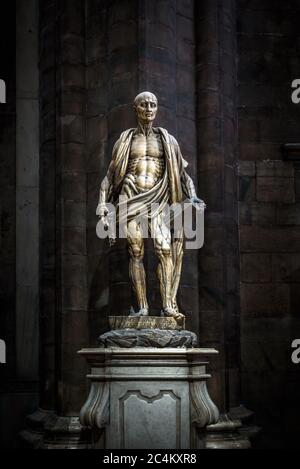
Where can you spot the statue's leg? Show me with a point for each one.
(177, 252)
(136, 268)
(162, 243)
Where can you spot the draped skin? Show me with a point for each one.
(170, 189)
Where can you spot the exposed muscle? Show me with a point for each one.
(146, 160)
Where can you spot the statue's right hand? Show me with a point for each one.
(102, 210)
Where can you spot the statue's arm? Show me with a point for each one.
(106, 186)
(189, 189)
(188, 185)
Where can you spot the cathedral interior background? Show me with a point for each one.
(222, 71)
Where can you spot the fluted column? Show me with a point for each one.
(63, 205)
(217, 162)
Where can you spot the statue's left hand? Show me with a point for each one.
(112, 241)
(198, 202)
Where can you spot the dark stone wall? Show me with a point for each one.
(8, 214)
(222, 72)
(18, 395)
(8, 189)
(47, 56)
(8, 379)
(268, 62)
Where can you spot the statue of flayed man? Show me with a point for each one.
(147, 168)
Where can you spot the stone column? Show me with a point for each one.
(63, 302)
(71, 197)
(217, 162)
(27, 191)
(47, 93)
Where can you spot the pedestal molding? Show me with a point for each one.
(95, 412)
(206, 412)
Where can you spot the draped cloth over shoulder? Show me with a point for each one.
(169, 189)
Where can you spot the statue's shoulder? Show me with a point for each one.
(123, 137)
(125, 134)
(161, 130)
(121, 141)
(167, 136)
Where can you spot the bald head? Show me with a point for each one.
(146, 96)
(145, 106)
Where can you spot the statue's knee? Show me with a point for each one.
(136, 251)
(163, 252)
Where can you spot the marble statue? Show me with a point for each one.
(147, 167)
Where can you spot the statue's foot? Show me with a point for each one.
(172, 312)
(140, 313)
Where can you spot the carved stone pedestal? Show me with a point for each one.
(146, 397)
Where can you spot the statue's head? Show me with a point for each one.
(145, 107)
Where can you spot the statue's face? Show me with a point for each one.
(146, 109)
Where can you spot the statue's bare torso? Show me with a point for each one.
(146, 160)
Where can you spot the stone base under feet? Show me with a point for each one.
(148, 338)
(145, 322)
